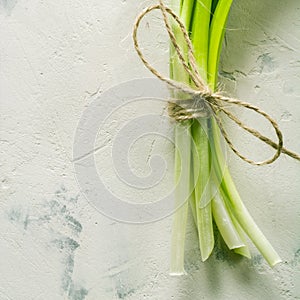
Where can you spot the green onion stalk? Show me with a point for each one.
(207, 183)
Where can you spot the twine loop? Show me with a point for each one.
(202, 102)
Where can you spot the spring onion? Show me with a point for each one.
(213, 196)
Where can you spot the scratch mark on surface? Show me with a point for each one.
(8, 5)
(151, 150)
(68, 246)
(232, 75)
(16, 215)
(123, 290)
(265, 64)
(278, 41)
(92, 152)
(296, 259)
(58, 219)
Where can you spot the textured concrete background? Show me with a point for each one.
(55, 56)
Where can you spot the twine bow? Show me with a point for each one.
(202, 96)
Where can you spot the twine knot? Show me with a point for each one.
(192, 108)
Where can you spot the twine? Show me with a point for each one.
(205, 102)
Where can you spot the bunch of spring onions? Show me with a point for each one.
(213, 197)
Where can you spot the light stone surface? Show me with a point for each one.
(55, 58)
